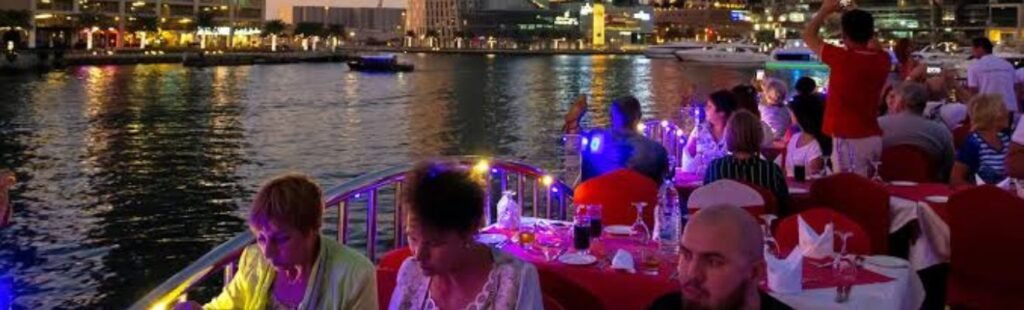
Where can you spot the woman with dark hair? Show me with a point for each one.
(705, 143)
(810, 146)
(746, 99)
(909, 69)
(449, 269)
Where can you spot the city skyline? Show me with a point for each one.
(275, 8)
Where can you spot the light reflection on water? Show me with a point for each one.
(129, 173)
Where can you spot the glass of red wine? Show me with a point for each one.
(581, 233)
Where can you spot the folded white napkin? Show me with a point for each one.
(812, 244)
(623, 261)
(509, 213)
(1004, 184)
(785, 276)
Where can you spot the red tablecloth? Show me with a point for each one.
(615, 289)
(920, 191)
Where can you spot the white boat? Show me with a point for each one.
(794, 51)
(1011, 54)
(943, 54)
(668, 50)
(726, 54)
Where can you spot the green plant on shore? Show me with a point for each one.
(15, 18)
(274, 27)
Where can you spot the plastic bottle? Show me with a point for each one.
(668, 219)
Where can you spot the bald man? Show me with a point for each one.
(721, 263)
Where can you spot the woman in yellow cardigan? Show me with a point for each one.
(292, 266)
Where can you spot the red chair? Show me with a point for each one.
(616, 192)
(960, 134)
(907, 163)
(771, 203)
(986, 257)
(786, 234)
(727, 192)
(863, 201)
(550, 303)
(566, 291)
(387, 273)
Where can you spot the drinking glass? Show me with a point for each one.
(769, 240)
(581, 234)
(876, 175)
(594, 211)
(640, 230)
(550, 247)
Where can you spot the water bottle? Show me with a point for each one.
(509, 212)
(668, 218)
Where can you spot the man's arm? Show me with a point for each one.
(810, 33)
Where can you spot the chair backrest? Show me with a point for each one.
(566, 291)
(960, 134)
(986, 259)
(787, 233)
(726, 192)
(863, 201)
(550, 303)
(387, 273)
(907, 163)
(771, 203)
(616, 192)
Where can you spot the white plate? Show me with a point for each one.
(491, 238)
(887, 261)
(797, 190)
(937, 199)
(902, 183)
(619, 230)
(577, 259)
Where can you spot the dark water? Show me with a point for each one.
(127, 174)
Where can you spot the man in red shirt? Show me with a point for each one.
(857, 73)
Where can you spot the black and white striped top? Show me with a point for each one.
(754, 171)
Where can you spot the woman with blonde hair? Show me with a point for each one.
(293, 266)
(983, 154)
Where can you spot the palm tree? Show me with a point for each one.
(203, 20)
(273, 29)
(14, 19)
(143, 24)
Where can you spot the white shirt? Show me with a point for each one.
(512, 284)
(1018, 134)
(797, 155)
(994, 75)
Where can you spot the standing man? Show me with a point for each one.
(989, 74)
(857, 73)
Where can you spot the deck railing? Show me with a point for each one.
(548, 198)
(668, 134)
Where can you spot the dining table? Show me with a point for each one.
(922, 205)
(892, 286)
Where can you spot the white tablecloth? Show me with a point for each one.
(905, 291)
(931, 247)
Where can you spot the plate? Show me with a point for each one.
(797, 190)
(619, 230)
(937, 199)
(577, 259)
(902, 183)
(887, 261)
(491, 238)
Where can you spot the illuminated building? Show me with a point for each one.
(361, 22)
(126, 23)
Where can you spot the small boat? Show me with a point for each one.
(943, 54)
(727, 54)
(387, 63)
(668, 50)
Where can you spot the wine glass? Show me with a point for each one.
(769, 240)
(640, 230)
(876, 175)
(844, 269)
(550, 247)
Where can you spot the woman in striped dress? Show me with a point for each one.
(983, 154)
(743, 136)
